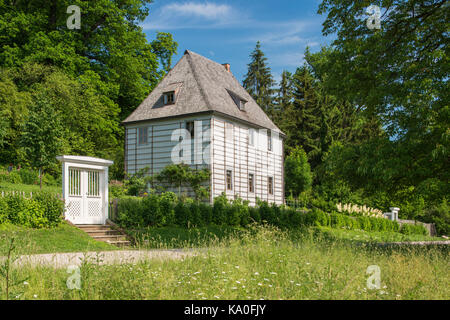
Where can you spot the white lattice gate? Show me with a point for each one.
(85, 189)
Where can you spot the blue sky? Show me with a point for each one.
(227, 31)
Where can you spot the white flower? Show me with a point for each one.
(25, 283)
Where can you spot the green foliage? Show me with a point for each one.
(137, 183)
(298, 176)
(44, 210)
(178, 175)
(219, 210)
(4, 210)
(28, 176)
(259, 81)
(413, 229)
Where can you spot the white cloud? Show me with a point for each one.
(288, 59)
(193, 15)
(204, 10)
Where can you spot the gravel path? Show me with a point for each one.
(63, 260)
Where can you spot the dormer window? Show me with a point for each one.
(240, 102)
(169, 97)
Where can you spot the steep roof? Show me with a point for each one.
(203, 86)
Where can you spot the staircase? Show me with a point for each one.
(106, 234)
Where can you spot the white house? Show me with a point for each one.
(227, 132)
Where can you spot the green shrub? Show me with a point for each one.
(167, 202)
(195, 214)
(4, 209)
(130, 212)
(152, 215)
(267, 212)
(53, 207)
(182, 215)
(220, 210)
(28, 176)
(206, 212)
(13, 177)
(409, 229)
(254, 214)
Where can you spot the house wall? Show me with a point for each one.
(156, 154)
(233, 152)
(227, 152)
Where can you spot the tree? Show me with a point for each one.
(306, 113)
(398, 74)
(41, 137)
(259, 81)
(110, 43)
(283, 99)
(298, 176)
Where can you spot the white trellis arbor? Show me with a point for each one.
(85, 189)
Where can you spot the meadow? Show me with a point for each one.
(260, 263)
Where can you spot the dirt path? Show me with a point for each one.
(63, 260)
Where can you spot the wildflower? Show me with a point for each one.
(260, 284)
(25, 283)
(233, 288)
(273, 273)
(237, 267)
(256, 273)
(35, 296)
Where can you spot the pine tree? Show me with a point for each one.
(259, 80)
(306, 114)
(283, 99)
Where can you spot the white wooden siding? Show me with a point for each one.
(227, 151)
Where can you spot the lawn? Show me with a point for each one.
(364, 236)
(261, 263)
(64, 238)
(176, 237)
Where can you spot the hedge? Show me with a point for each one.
(44, 210)
(167, 210)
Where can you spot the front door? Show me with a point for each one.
(85, 200)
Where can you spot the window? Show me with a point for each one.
(251, 137)
(229, 180)
(240, 102)
(143, 135)
(251, 183)
(270, 184)
(269, 140)
(191, 128)
(169, 97)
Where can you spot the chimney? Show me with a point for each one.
(227, 66)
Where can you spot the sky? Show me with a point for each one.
(227, 31)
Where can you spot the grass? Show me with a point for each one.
(176, 237)
(364, 236)
(27, 188)
(64, 238)
(260, 263)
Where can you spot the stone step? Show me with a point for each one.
(106, 234)
(103, 233)
(119, 243)
(109, 238)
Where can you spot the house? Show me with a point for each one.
(199, 114)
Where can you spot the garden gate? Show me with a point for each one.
(85, 189)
